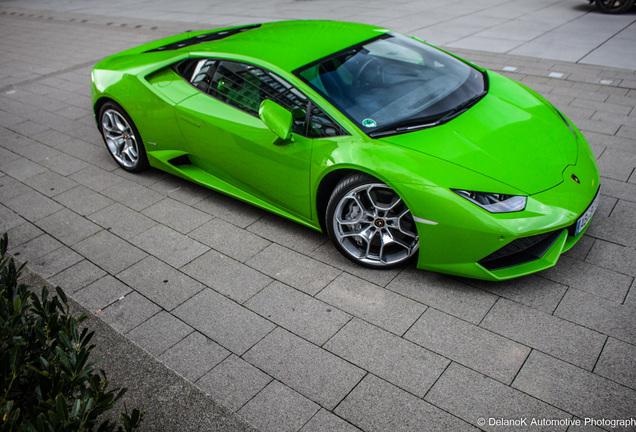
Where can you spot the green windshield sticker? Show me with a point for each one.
(370, 123)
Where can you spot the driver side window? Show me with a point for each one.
(245, 86)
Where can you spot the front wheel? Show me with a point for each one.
(370, 224)
(614, 6)
(122, 138)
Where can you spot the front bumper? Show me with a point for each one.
(462, 239)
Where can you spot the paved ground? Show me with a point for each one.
(264, 315)
(570, 30)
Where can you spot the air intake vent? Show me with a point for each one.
(521, 251)
(202, 38)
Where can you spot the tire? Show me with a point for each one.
(370, 224)
(122, 138)
(614, 6)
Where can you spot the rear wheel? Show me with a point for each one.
(122, 138)
(614, 6)
(370, 224)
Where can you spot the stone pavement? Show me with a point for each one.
(264, 315)
(570, 30)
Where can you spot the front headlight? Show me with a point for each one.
(494, 202)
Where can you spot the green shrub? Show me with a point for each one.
(47, 379)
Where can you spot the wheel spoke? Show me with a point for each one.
(120, 138)
(373, 226)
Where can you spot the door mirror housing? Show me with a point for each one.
(276, 118)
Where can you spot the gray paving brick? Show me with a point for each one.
(169, 245)
(160, 283)
(181, 190)
(473, 396)
(617, 363)
(30, 149)
(176, 215)
(547, 333)
(612, 319)
(229, 239)
(582, 248)
(233, 382)
(313, 372)
(225, 322)
(32, 205)
(229, 277)
(77, 276)
(294, 269)
(627, 132)
(388, 356)
(377, 305)
(617, 164)
(96, 178)
(287, 233)
(620, 227)
(82, 200)
(574, 390)
(375, 405)
(614, 257)
(467, 344)
(54, 262)
(68, 227)
(597, 126)
(278, 408)
(11, 188)
(101, 293)
(109, 252)
(29, 127)
(230, 210)
(194, 356)
(148, 178)
(590, 278)
(50, 183)
(7, 156)
(298, 312)
(34, 247)
(328, 254)
(630, 300)
(132, 194)
(444, 293)
(127, 313)
(21, 234)
(326, 421)
(9, 219)
(21, 168)
(532, 291)
(601, 107)
(122, 221)
(618, 189)
(619, 143)
(159, 333)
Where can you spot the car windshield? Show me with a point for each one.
(395, 84)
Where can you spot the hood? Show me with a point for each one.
(509, 135)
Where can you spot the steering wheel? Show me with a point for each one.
(369, 75)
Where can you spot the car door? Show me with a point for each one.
(228, 139)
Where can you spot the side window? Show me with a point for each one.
(237, 84)
(321, 125)
(245, 86)
(197, 72)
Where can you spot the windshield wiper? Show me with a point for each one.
(461, 108)
(446, 117)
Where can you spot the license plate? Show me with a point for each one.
(585, 218)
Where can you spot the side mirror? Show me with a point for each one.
(276, 118)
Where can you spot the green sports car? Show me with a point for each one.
(396, 149)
